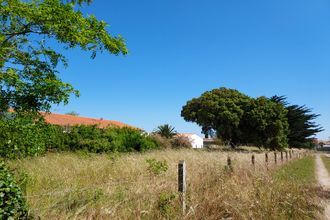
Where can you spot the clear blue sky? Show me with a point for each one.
(179, 49)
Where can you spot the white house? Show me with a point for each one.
(195, 140)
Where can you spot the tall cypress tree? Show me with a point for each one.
(301, 123)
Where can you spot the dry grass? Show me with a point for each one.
(87, 186)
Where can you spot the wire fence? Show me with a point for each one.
(271, 160)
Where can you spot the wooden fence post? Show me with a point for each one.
(182, 184)
(229, 164)
(275, 157)
(286, 155)
(253, 160)
(282, 156)
(290, 154)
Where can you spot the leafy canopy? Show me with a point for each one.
(265, 124)
(28, 64)
(220, 109)
(239, 119)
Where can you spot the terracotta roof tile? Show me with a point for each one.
(71, 120)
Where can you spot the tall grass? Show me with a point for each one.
(121, 186)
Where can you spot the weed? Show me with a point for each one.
(157, 167)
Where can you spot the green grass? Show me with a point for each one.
(301, 171)
(326, 161)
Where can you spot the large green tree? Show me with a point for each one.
(29, 77)
(265, 124)
(302, 123)
(239, 119)
(221, 110)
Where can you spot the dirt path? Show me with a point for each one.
(324, 180)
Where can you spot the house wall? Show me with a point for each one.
(196, 141)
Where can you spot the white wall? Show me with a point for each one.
(196, 141)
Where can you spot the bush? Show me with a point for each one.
(157, 167)
(129, 139)
(12, 203)
(161, 141)
(180, 142)
(22, 136)
(111, 139)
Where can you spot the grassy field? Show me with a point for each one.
(133, 186)
(300, 171)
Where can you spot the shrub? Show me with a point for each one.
(157, 167)
(180, 142)
(129, 139)
(95, 146)
(12, 203)
(161, 141)
(22, 136)
(56, 137)
(81, 137)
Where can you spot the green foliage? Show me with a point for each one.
(27, 135)
(265, 124)
(166, 131)
(28, 66)
(166, 204)
(301, 124)
(21, 136)
(129, 139)
(239, 119)
(12, 202)
(111, 139)
(220, 109)
(73, 113)
(157, 167)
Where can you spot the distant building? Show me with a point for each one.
(72, 120)
(195, 140)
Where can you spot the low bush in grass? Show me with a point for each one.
(12, 203)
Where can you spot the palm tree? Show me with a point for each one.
(166, 131)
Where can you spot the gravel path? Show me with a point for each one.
(324, 180)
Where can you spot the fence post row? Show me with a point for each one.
(282, 156)
(275, 157)
(286, 155)
(182, 184)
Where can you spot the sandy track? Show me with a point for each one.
(324, 180)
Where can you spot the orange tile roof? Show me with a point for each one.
(71, 120)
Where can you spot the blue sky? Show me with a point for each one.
(179, 49)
